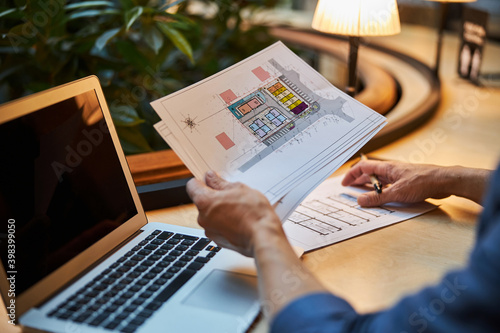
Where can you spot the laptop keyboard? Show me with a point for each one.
(129, 292)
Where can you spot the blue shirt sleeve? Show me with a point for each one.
(464, 301)
(313, 313)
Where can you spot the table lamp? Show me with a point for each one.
(356, 18)
(441, 25)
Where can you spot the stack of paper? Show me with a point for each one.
(270, 121)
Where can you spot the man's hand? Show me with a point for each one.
(240, 218)
(406, 182)
(232, 213)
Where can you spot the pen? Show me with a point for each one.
(373, 178)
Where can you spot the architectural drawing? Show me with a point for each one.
(278, 111)
(271, 107)
(334, 213)
(331, 214)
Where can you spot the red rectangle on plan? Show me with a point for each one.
(225, 141)
(261, 73)
(228, 96)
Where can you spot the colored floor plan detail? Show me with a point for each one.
(270, 109)
(279, 110)
(287, 98)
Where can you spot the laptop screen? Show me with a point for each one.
(61, 185)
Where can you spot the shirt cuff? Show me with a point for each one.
(313, 313)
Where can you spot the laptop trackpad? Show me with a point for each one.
(225, 291)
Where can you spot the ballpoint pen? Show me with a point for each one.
(373, 178)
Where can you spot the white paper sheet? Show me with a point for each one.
(270, 121)
(330, 214)
(292, 199)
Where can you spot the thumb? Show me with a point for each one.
(198, 192)
(373, 199)
(215, 181)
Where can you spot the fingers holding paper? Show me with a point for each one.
(231, 213)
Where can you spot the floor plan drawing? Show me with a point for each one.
(334, 213)
(269, 108)
(331, 214)
(272, 110)
(279, 110)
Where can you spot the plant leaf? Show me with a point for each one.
(169, 17)
(126, 4)
(169, 5)
(93, 13)
(86, 4)
(132, 55)
(132, 15)
(132, 140)
(125, 116)
(153, 38)
(177, 38)
(8, 11)
(101, 42)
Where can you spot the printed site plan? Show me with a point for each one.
(270, 121)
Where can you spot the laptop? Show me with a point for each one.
(77, 252)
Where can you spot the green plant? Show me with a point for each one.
(139, 51)
(225, 37)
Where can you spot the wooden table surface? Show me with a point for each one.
(374, 270)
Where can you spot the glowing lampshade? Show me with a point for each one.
(357, 17)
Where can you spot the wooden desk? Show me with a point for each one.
(375, 270)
